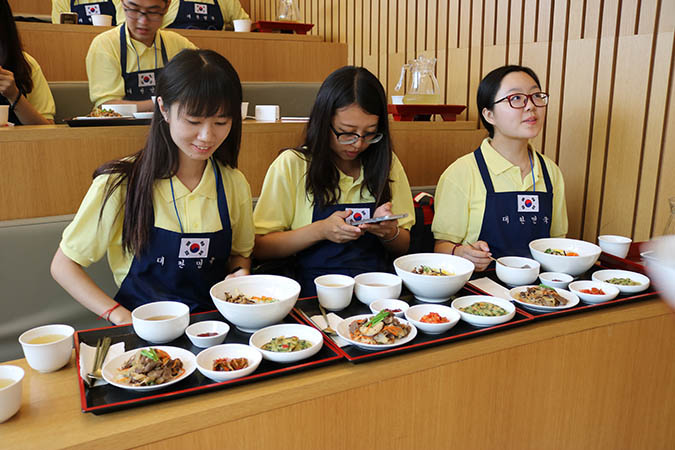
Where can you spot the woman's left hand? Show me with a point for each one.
(7, 84)
(384, 230)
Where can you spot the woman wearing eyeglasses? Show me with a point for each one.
(87, 8)
(123, 63)
(345, 170)
(494, 201)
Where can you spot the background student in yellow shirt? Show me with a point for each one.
(87, 8)
(494, 201)
(123, 63)
(175, 218)
(203, 14)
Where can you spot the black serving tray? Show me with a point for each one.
(107, 398)
(107, 122)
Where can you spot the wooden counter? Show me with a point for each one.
(256, 56)
(47, 169)
(599, 380)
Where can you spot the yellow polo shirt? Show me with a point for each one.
(460, 195)
(59, 6)
(103, 60)
(230, 9)
(41, 96)
(284, 204)
(85, 240)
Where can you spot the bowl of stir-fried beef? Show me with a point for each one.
(433, 277)
(228, 361)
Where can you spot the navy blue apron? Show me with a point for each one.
(365, 254)
(513, 219)
(139, 85)
(85, 11)
(198, 16)
(12, 116)
(180, 266)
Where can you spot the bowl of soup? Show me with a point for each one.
(160, 322)
(372, 286)
(11, 381)
(47, 348)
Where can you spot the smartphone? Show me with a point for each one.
(379, 219)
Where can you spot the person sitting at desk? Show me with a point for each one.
(23, 86)
(87, 8)
(203, 14)
(123, 63)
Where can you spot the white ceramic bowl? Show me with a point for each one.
(610, 291)
(391, 304)
(206, 357)
(125, 109)
(249, 318)
(334, 291)
(372, 286)
(603, 275)
(143, 115)
(343, 331)
(510, 270)
(261, 337)
(50, 356)
(483, 321)
(555, 279)
(416, 312)
(573, 265)
(615, 245)
(572, 300)
(207, 326)
(433, 289)
(661, 266)
(160, 331)
(10, 396)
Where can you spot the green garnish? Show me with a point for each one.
(379, 317)
(546, 287)
(150, 353)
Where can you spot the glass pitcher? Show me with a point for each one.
(422, 83)
(287, 11)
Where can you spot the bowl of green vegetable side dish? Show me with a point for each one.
(286, 343)
(433, 277)
(484, 310)
(628, 282)
(570, 256)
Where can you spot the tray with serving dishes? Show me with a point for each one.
(107, 398)
(85, 121)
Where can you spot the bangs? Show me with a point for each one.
(208, 96)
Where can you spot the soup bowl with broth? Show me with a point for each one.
(373, 286)
(160, 322)
(11, 381)
(47, 348)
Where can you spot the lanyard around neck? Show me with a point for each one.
(138, 58)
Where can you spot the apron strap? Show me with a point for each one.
(165, 59)
(484, 173)
(544, 171)
(123, 50)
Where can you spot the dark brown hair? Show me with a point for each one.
(11, 50)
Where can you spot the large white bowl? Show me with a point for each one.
(572, 265)
(416, 312)
(572, 300)
(603, 275)
(610, 291)
(160, 331)
(510, 270)
(261, 337)
(206, 357)
(343, 331)
(125, 109)
(10, 396)
(207, 326)
(249, 318)
(434, 289)
(372, 286)
(50, 356)
(483, 321)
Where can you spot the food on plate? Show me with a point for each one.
(485, 309)
(149, 367)
(207, 334)
(434, 317)
(543, 296)
(229, 364)
(558, 252)
(382, 328)
(245, 300)
(103, 112)
(397, 310)
(593, 291)
(622, 281)
(426, 270)
(286, 344)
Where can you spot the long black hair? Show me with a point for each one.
(201, 83)
(11, 50)
(347, 86)
(489, 86)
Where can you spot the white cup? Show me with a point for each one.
(267, 113)
(396, 99)
(242, 25)
(10, 396)
(154, 99)
(334, 291)
(244, 110)
(4, 115)
(101, 20)
(615, 245)
(50, 356)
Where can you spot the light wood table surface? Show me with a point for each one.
(604, 379)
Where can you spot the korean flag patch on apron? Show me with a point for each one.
(201, 8)
(146, 79)
(528, 203)
(193, 248)
(93, 10)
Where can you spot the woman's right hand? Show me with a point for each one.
(335, 229)
(478, 253)
(7, 84)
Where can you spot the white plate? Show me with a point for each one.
(101, 118)
(143, 115)
(343, 332)
(111, 369)
(602, 275)
(572, 300)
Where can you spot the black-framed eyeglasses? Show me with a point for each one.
(136, 14)
(351, 138)
(519, 100)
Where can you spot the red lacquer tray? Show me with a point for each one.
(407, 113)
(269, 26)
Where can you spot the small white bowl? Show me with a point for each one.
(160, 331)
(206, 357)
(434, 289)
(390, 304)
(572, 299)
(207, 326)
(610, 291)
(50, 356)
(510, 270)
(555, 279)
(10, 396)
(125, 109)
(573, 265)
(261, 337)
(615, 245)
(416, 312)
(372, 286)
(603, 275)
(483, 321)
(334, 291)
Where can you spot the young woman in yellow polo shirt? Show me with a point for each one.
(494, 201)
(23, 87)
(345, 170)
(87, 8)
(175, 218)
